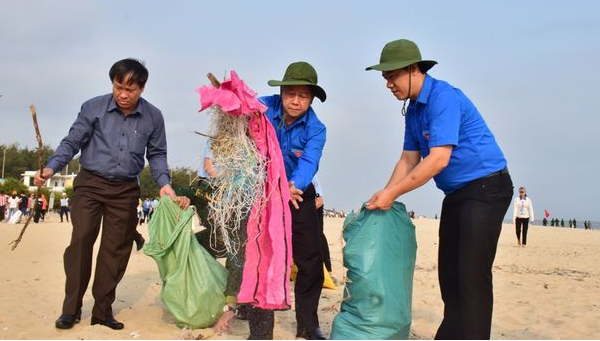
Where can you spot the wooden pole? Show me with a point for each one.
(3, 161)
(38, 137)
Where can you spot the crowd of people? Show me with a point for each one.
(19, 206)
(572, 223)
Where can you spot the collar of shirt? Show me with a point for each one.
(425, 90)
(112, 106)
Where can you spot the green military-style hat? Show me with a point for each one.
(401, 53)
(301, 73)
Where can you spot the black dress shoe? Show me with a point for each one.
(109, 322)
(66, 321)
(315, 334)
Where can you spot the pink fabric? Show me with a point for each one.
(234, 97)
(266, 277)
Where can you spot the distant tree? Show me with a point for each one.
(148, 188)
(13, 184)
(18, 160)
(73, 166)
(180, 181)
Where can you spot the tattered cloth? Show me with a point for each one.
(266, 276)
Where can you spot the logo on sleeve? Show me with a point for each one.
(426, 134)
(297, 152)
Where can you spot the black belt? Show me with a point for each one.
(110, 179)
(500, 172)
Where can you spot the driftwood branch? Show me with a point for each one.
(38, 137)
(202, 134)
(213, 80)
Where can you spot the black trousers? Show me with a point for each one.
(64, 210)
(97, 200)
(308, 256)
(525, 223)
(324, 243)
(470, 225)
(261, 323)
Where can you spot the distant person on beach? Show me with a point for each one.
(3, 205)
(44, 206)
(146, 209)
(153, 206)
(37, 214)
(113, 132)
(522, 215)
(30, 203)
(447, 139)
(24, 205)
(140, 214)
(64, 207)
(13, 205)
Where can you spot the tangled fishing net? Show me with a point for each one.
(251, 186)
(241, 168)
(240, 178)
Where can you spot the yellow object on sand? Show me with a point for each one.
(327, 280)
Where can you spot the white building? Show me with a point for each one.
(57, 183)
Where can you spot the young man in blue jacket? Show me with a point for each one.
(447, 139)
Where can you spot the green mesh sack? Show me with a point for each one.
(193, 281)
(380, 255)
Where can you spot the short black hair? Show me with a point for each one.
(120, 69)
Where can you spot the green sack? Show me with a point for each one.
(379, 254)
(193, 281)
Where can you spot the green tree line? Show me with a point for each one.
(20, 159)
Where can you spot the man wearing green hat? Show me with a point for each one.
(301, 137)
(447, 139)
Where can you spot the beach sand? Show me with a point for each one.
(548, 290)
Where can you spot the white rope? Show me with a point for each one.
(240, 180)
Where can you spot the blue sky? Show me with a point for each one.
(530, 67)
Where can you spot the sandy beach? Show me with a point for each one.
(548, 290)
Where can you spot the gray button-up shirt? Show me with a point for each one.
(113, 145)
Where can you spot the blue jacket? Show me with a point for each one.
(301, 143)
